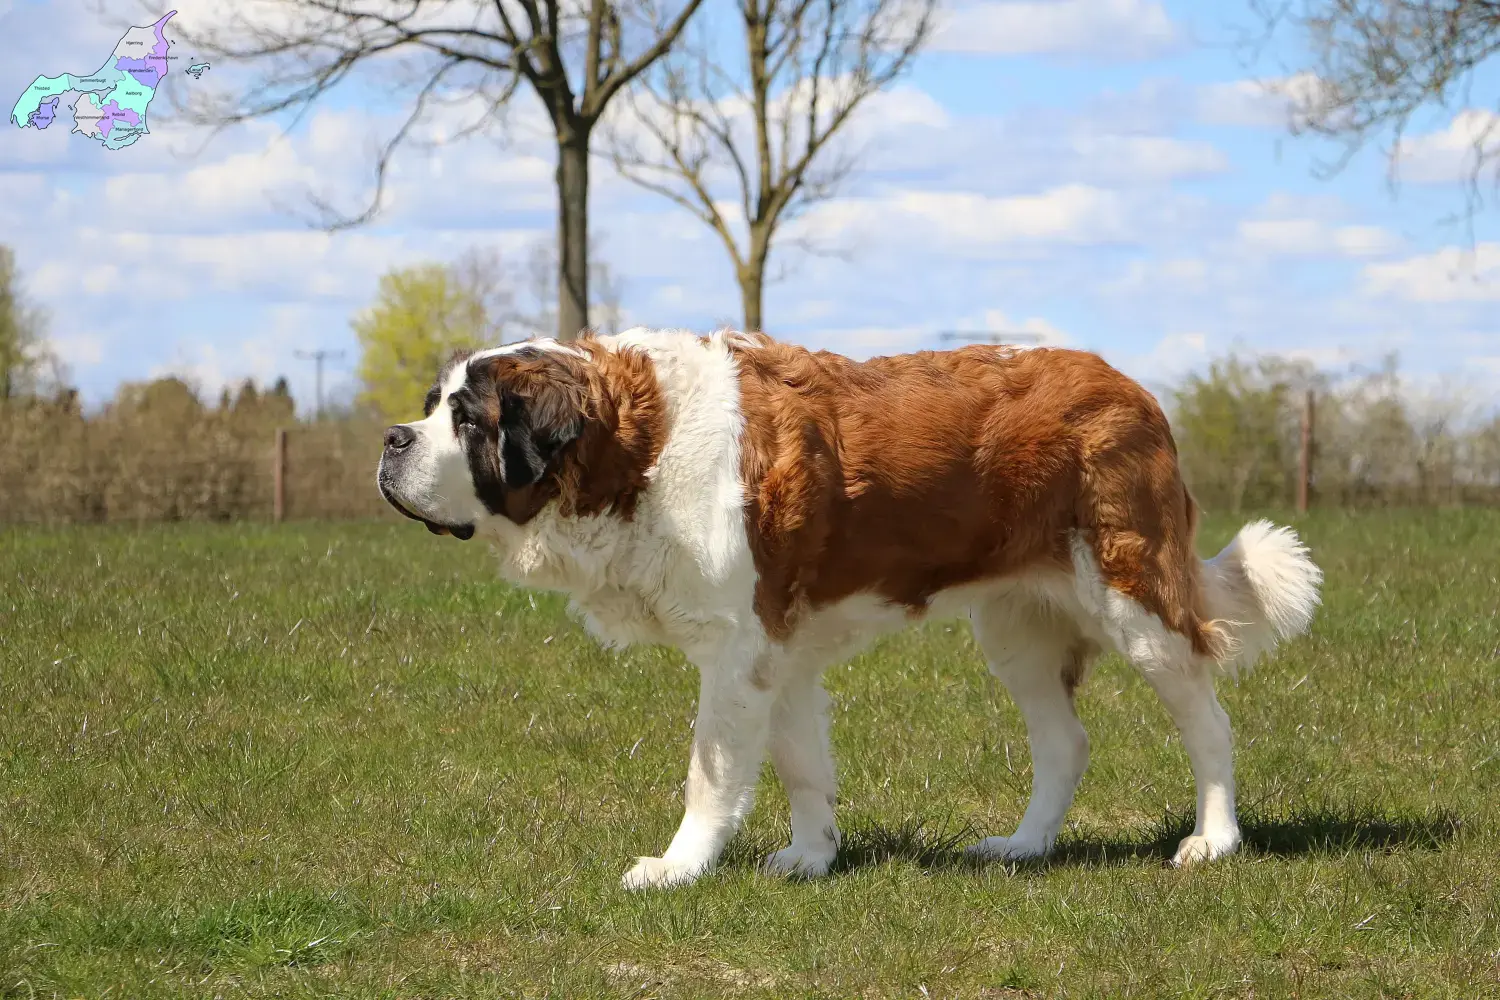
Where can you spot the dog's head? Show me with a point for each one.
(507, 431)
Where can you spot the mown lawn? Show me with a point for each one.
(343, 760)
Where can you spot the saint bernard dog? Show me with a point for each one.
(769, 510)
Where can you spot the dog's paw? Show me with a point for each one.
(660, 873)
(799, 862)
(1005, 849)
(1197, 849)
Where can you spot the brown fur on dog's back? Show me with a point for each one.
(906, 475)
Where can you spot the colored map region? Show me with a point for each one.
(111, 103)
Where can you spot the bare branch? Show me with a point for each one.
(520, 45)
(333, 220)
(1376, 64)
(768, 131)
(595, 42)
(625, 72)
(575, 55)
(686, 164)
(305, 49)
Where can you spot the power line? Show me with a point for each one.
(318, 357)
(995, 337)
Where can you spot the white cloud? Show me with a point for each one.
(241, 187)
(871, 341)
(100, 280)
(1120, 29)
(1271, 103)
(1292, 225)
(965, 224)
(78, 349)
(1364, 241)
(260, 178)
(996, 321)
(1331, 356)
(1314, 237)
(1453, 153)
(1034, 329)
(1150, 157)
(298, 264)
(1180, 274)
(1075, 213)
(1448, 275)
(1490, 363)
(281, 263)
(1036, 148)
(23, 197)
(905, 105)
(874, 341)
(262, 352)
(1169, 359)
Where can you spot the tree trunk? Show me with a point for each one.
(752, 278)
(572, 231)
(751, 292)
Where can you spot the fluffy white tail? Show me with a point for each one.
(1261, 589)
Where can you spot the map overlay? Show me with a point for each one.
(111, 103)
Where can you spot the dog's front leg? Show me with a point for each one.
(729, 743)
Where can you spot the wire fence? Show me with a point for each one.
(168, 459)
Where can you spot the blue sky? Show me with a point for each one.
(1105, 173)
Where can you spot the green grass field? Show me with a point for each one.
(344, 760)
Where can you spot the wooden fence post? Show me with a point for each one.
(278, 498)
(1304, 458)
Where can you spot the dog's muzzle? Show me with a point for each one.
(398, 441)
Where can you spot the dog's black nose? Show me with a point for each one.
(399, 437)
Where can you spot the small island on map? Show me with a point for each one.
(111, 104)
(196, 70)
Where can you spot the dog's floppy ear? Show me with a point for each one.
(543, 405)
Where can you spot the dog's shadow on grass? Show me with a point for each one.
(1288, 835)
(936, 845)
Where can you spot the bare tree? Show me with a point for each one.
(537, 278)
(753, 131)
(1374, 64)
(576, 55)
(483, 277)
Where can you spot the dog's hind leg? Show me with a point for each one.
(1189, 696)
(1041, 656)
(1183, 678)
(804, 763)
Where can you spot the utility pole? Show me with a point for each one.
(1305, 455)
(318, 357)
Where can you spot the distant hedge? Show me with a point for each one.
(1378, 440)
(158, 453)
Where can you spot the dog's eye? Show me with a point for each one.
(461, 419)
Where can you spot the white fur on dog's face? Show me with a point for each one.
(430, 478)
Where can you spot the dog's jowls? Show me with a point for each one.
(769, 510)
